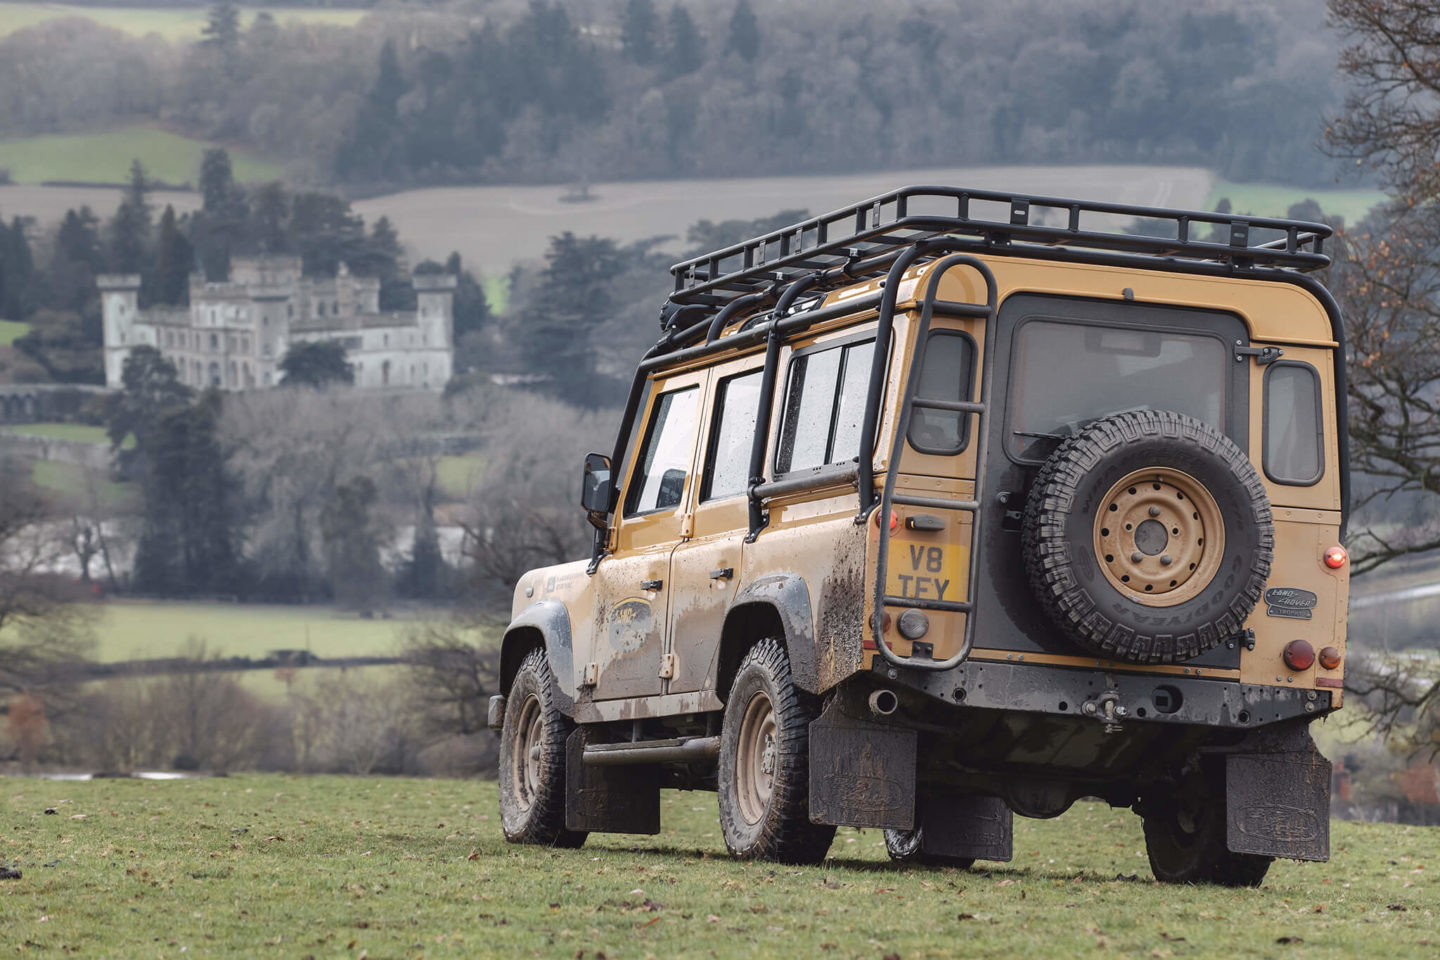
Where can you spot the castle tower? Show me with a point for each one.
(120, 310)
(435, 308)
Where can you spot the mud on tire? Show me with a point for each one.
(764, 773)
(1148, 589)
(532, 759)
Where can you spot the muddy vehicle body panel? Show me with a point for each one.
(890, 461)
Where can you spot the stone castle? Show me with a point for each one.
(233, 335)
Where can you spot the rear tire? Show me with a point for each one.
(532, 760)
(904, 847)
(1185, 839)
(764, 773)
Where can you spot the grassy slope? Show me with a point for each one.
(172, 24)
(131, 629)
(70, 479)
(11, 330)
(1272, 200)
(260, 865)
(106, 157)
(83, 432)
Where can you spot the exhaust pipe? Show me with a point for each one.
(884, 702)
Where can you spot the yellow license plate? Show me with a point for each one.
(925, 571)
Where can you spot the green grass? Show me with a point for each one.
(1272, 200)
(106, 158)
(71, 479)
(458, 475)
(497, 292)
(12, 330)
(175, 24)
(138, 629)
(325, 866)
(83, 432)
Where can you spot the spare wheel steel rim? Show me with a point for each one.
(1159, 536)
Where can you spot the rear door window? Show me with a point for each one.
(824, 406)
(1067, 374)
(727, 466)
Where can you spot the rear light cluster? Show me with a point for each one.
(1300, 655)
(1335, 557)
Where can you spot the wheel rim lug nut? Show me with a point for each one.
(1154, 511)
(1166, 560)
(1137, 556)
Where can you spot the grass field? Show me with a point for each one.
(12, 330)
(70, 479)
(83, 432)
(324, 867)
(139, 629)
(182, 24)
(106, 157)
(1272, 200)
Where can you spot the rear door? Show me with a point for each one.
(632, 585)
(1061, 363)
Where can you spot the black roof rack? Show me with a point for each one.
(859, 240)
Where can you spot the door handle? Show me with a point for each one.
(652, 584)
(724, 573)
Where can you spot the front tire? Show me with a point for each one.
(904, 846)
(764, 774)
(532, 760)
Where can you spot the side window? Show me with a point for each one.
(659, 480)
(727, 463)
(824, 407)
(948, 374)
(1294, 442)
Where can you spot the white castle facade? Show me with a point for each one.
(233, 335)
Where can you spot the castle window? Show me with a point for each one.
(387, 339)
(214, 341)
(335, 308)
(290, 310)
(321, 307)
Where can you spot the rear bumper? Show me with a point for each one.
(1109, 697)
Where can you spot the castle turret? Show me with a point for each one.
(435, 308)
(120, 309)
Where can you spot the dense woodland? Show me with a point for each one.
(567, 90)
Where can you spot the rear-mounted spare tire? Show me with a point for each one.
(1148, 537)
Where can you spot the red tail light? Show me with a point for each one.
(1299, 655)
(1329, 658)
(1335, 557)
(894, 520)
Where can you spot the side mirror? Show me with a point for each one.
(597, 492)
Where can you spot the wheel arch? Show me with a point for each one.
(545, 625)
(773, 606)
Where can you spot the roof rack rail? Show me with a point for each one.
(859, 240)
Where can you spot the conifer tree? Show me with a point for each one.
(744, 37)
(639, 26)
(686, 51)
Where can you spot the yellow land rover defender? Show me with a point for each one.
(951, 505)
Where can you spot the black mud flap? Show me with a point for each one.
(964, 825)
(862, 774)
(1278, 804)
(623, 799)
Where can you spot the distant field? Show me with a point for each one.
(458, 475)
(82, 432)
(12, 330)
(106, 158)
(181, 24)
(1272, 200)
(263, 865)
(70, 478)
(137, 629)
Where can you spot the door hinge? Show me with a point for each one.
(1262, 355)
(667, 667)
(592, 675)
